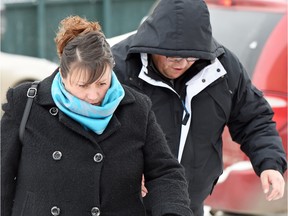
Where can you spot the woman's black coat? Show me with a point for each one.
(63, 168)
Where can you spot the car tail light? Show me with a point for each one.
(225, 2)
(221, 2)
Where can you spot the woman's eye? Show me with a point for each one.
(82, 86)
(102, 84)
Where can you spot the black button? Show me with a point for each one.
(98, 157)
(95, 211)
(57, 155)
(55, 211)
(53, 111)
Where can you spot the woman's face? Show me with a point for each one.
(92, 93)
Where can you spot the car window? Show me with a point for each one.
(243, 32)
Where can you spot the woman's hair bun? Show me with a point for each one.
(71, 27)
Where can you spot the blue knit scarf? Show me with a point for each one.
(96, 118)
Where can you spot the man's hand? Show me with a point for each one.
(273, 184)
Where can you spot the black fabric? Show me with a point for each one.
(179, 83)
(175, 35)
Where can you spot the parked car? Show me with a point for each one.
(256, 31)
(16, 69)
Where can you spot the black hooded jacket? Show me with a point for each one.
(218, 92)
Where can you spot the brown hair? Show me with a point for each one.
(82, 47)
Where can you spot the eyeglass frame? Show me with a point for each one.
(178, 59)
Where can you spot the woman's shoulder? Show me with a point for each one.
(19, 92)
(16, 98)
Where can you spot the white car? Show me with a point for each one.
(113, 40)
(16, 69)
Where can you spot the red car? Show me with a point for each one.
(256, 31)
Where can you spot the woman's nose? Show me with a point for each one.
(92, 94)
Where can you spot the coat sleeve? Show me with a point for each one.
(164, 176)
(251, 125)
(10, 154)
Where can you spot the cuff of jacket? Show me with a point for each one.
(272, 164)
(177, 210)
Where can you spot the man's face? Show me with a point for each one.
(171, 69)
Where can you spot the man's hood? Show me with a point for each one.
(177, 28)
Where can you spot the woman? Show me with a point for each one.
(87, 142)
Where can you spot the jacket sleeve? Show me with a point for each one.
(251, 124)
(10, 154)
(164, 176)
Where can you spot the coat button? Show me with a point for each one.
(55, 211)
(203, 80)
(57, 155)
(53, 111)
(95, 211)
(98, 157)
(218, 69)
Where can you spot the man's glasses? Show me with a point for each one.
(178, 59)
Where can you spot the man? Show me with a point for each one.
(197, 86)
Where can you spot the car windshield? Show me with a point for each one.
(246, 41)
